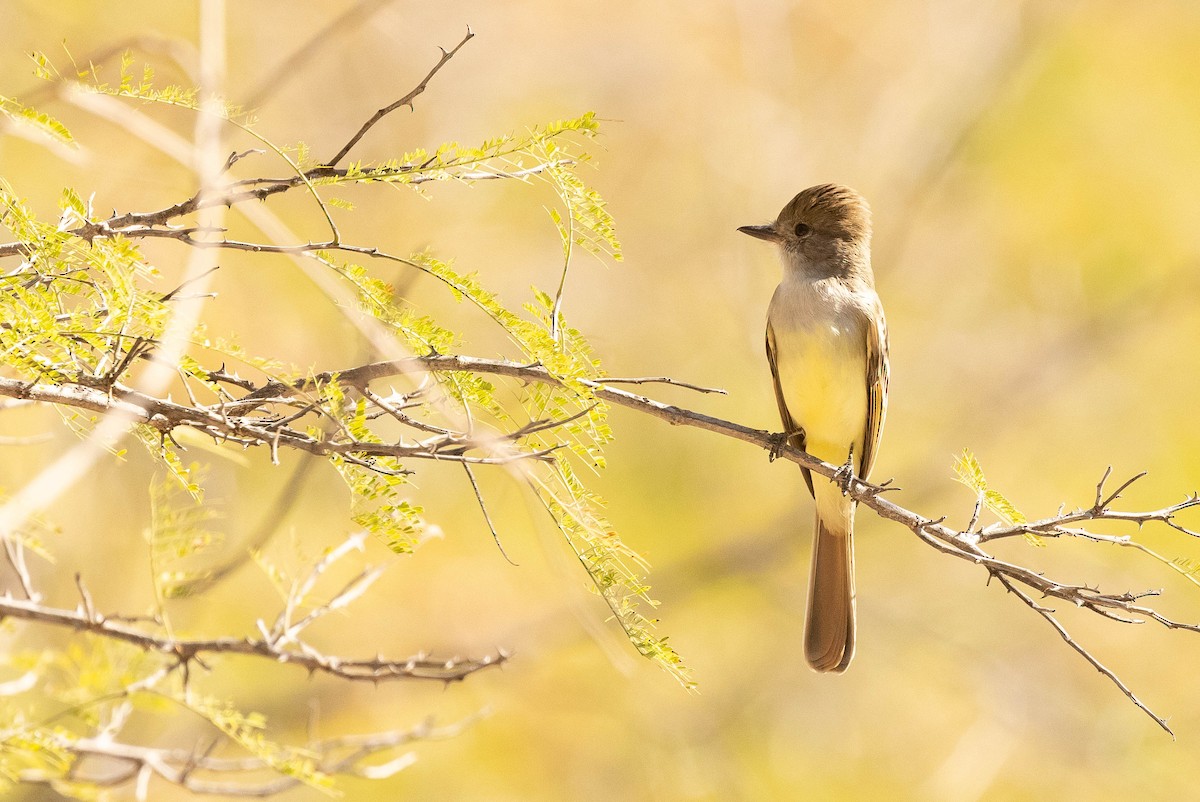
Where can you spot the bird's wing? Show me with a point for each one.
(877, 386)
(794, 432)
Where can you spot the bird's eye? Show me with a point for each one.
(802, 229)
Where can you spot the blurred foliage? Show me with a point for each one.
(1035, 172)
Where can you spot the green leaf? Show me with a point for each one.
(968, 471)
(31, 117)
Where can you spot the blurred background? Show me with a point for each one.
(1034, 169)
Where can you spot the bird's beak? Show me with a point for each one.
(767, 232)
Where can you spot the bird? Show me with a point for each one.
(827, 347)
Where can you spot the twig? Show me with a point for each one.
(975, 513)
(567, 229)
(1116, 494)
(166, 415)
(135, 225)
(122, 763)
(391, 409)
(1074, 644)
(663, 380)
(374, 669)
(404, 101)
(85, 597)
(486, 517)
(170, 295)
(237, 155)
(14, 552)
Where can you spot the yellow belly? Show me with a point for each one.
(822, 373)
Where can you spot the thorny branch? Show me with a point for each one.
(279, 644)
(404, 101)
(372, 669)
(243, 422)
(968, 545)
(105, 760)
(135, 225)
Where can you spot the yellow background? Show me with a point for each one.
(1034, 170)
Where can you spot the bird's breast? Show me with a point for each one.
(821, 359)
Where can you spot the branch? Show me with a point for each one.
(220, 423)
(138, 225)
(664, 380)
(1048, 614)
(404, 101)
(185, 768)
(964, 545)
(374, 669)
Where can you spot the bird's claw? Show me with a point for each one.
(844, 475)
(778, 443)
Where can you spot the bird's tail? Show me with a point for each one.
(829, 628)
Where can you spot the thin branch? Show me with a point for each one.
(166, 415)
(1100, 487)
(338, 755)
(664, 380)
(237, 155)
(191, 280)
(14, 552)
(135, 225)
(374, 669)
(567, 229)
(286, 629)
(486, 517)
(1049, 527)
(1088, 656)
(975, 513)
(404, 101)
(391, 409)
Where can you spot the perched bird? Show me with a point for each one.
(827, 347)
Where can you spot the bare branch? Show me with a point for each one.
(404, 101)
(486, 517)
(1048, 614)
(374, 669)
(1100, 487)
(14, 552)
(975, 513)
(1116, 494)
(664, 380)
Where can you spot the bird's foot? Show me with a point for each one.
(844, 475)
(778, 443)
